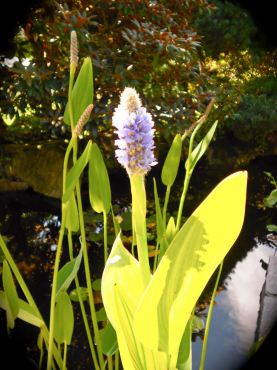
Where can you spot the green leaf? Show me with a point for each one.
(201, 148)
(64, 319)
(11, 295)
(83, 291)
(71, 214)
(123, 270)
(271, 200)
(67, 273)
(168, 237)
(172, 161)
(187, 265)
(108, 340)
(75, 172)
(82, 93)
(197, 324)
(96, 285)
(101, 314)
(26, 312)
(271, 228)
(99, 183)
(122, 288)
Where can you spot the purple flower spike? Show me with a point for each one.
(135, 134)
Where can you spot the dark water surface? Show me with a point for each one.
(31, 223)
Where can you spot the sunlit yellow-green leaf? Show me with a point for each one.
(121, 269)
(122, 288)
(185, 355)
(188, 264)
(122, 274)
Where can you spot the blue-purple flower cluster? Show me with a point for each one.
(135, 134)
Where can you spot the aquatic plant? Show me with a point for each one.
(148, 313)
(188, 256)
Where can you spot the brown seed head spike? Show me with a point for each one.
(83, 120)
(74, 49)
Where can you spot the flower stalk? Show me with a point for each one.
(135, 145)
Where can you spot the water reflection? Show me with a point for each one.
(236, 311)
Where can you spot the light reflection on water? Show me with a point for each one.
(235, 313)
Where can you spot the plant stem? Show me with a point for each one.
(71, 145)
(105, 237)
(187, 176)
(116, 360)
(40, 339)
(110, 363)
(64, 355)
(53, 294)
(82, 307)
(139, 217)
(182, 200)
(167, 194)
(204, 348)
(82, 225)
(194, 129)
(87, 269)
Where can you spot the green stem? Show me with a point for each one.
(41, 351)
(71, 145)
(64, 355)
(53, 295)
(194, 129)
(139, 217)
(167, 194)
(66, 158)
(156, 258)
(82, 225)
(110, 363)
(187, 180)
(116, 360)
(134, 240)
(82, 307)
(87, 269)
(105, 237)
(62, 229)
(182, 200)
(206, 335)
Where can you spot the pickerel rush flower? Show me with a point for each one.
(135, 134)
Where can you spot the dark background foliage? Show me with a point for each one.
(178, 54)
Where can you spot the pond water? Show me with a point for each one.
(234, 326)
(32, 229)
